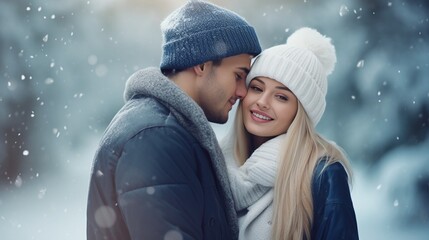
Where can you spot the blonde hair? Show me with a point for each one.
(302, 150)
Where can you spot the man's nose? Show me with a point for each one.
(241, 90)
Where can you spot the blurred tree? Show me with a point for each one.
(18, 45)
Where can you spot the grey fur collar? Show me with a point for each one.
(150, 82)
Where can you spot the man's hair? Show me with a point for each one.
(172, 72)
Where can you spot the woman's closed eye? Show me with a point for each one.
(282, 97)
(255, 88)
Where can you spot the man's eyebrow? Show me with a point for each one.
(246, 70)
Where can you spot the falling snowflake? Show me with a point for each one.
(18, 181)
(396, 203)
(42, 193)
(173, 235)
(344, 10)
(360, 64)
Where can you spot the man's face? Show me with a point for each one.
(223, 86)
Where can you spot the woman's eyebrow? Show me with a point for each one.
(284, 88)
(278, 87)
(259, 80)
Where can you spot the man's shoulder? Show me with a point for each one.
(145, 110)
(137, 115)
(151, 114)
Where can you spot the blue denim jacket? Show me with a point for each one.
(334, 216)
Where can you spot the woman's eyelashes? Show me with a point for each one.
(280, 96)
(255, 88)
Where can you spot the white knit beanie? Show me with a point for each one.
(302, 65)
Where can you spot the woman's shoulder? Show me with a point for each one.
(334, 215)
(330, 183)
(327, 170)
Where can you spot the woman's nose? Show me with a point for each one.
(263, 102)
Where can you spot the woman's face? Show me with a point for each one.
(268, 108)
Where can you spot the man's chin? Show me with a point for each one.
(218, 120)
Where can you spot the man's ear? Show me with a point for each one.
(201, 69)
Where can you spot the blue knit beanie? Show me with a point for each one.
(199, 32)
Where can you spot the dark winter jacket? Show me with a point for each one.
(159, 172)
(334, 215)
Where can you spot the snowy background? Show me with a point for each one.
(63, 66)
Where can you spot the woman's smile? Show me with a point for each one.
(259, 116)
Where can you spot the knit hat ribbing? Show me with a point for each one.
(199, 32)
(302, 65)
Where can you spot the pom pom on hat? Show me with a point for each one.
(302, 65)
(321, 46)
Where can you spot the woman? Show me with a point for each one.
(288, 181)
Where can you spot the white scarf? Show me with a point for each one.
(252, 188)
(256, 176)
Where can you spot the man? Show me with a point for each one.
(159, 172)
